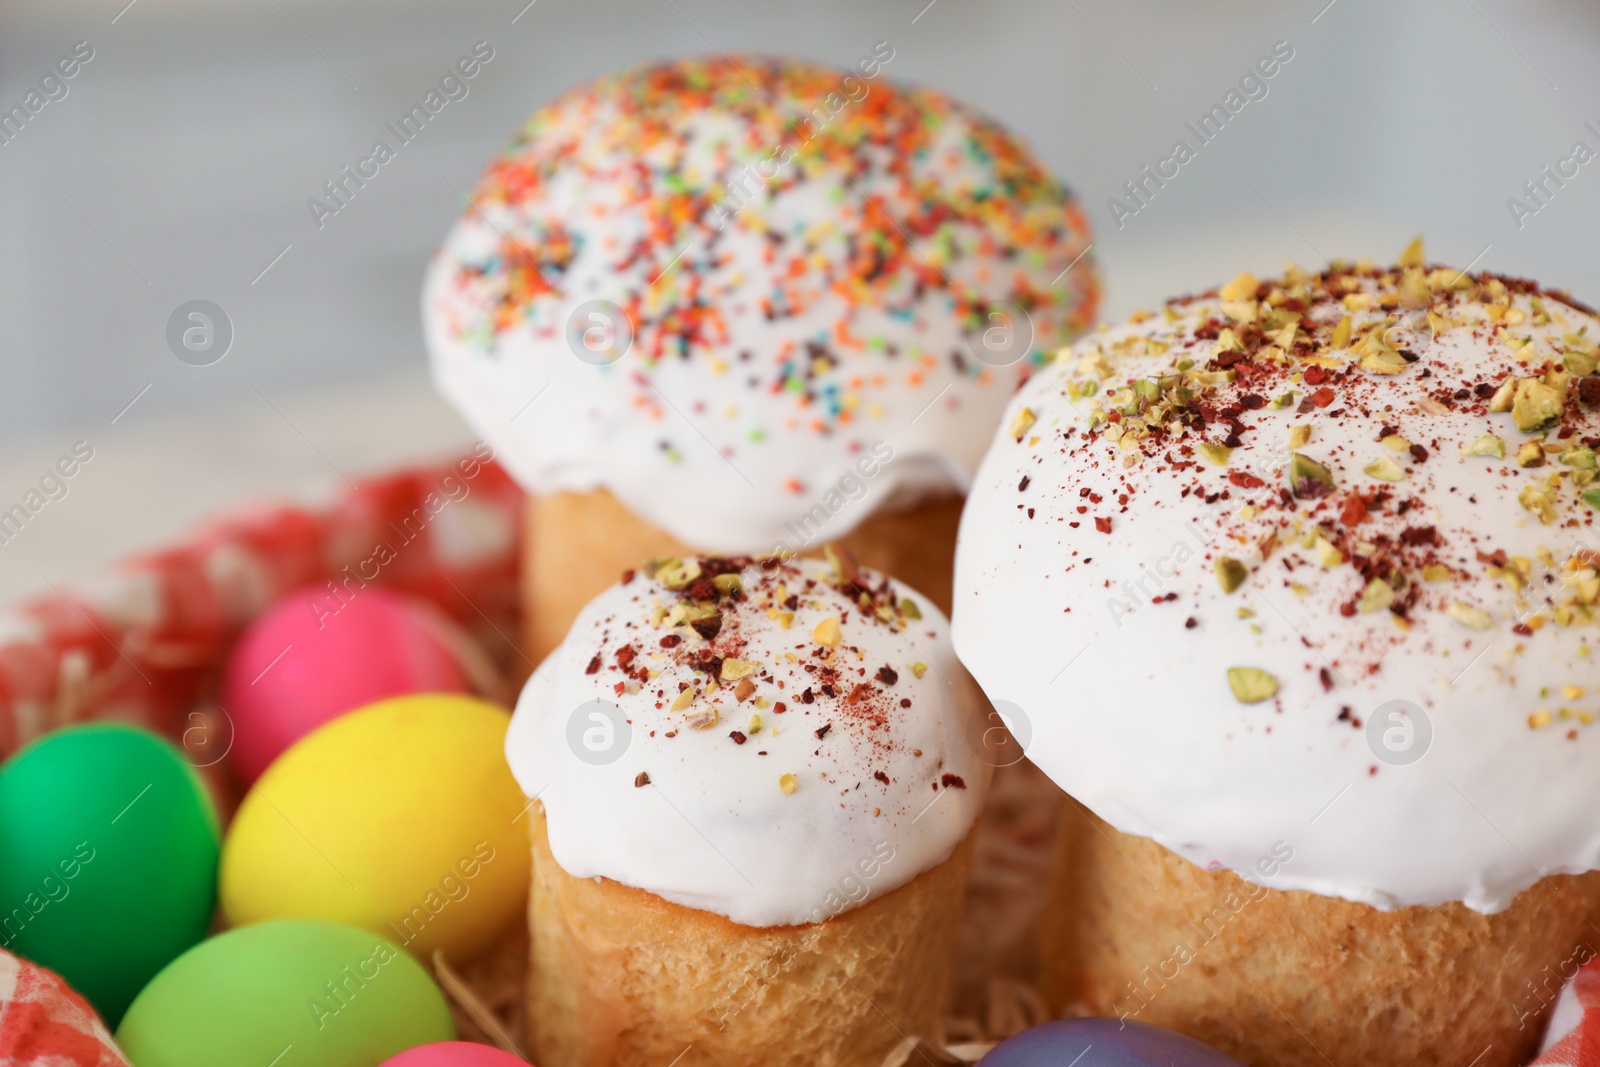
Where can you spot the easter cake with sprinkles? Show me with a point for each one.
(750, 305)
(779, 781)
(1296, 584)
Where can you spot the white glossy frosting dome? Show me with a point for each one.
(802, 293)
(858, 772)
(1089, 594)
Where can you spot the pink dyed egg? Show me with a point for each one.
(453, 1054)
(313, 656)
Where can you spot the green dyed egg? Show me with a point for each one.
(108, 859)
(290, 991)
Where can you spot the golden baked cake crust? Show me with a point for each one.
(621, 977)
(1293, 979)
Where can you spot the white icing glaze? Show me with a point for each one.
(1130, 708)
(774, 364)
(872, 804)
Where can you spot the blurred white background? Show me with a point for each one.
(178, 165)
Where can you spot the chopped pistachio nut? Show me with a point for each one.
(1502, 399)
(1413, 255)
(1215, 454)
(1242, 287)
(1539, 719)
(1231, 574)
(1470, 617)
(1487, 445)
(1241, 311)
(1341, 334)
(677, 573)
(1379, 358)
(728, 584)
(788, 783)
(1377, 596)
(1531, 454)
(705, 718)
(1534, 404)
(1395, 443)
(1414, 290)
(918, 669)
(1538, 498)
(1580, 363)
(1436, 572)
(1592, 498)
(827, 632)
(1385, 470)
(785, 619)
(1285, 400)
(1023, 422)
(909, 609)
(1298, 436)
(685, 698)
(1579, 457)
(734, 669)
(843, 562)
(1308, 478)
(1327, 554)
(1251, 685)
(754, 726)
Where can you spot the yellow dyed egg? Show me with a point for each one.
(400, 817)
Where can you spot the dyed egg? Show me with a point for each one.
(454, 1054)
(1103, 1043)
(46, 1023)
(314, 656)
(108, 858)
(400, 817)
(335, 995)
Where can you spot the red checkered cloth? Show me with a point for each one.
(1574, 1039)
(43, 1023)
(145, 641)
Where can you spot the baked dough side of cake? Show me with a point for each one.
(621, 977)
(1140, 932)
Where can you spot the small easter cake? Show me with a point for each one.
(749, 305)
(756, 785)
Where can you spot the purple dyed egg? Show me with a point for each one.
(1103, 1043)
